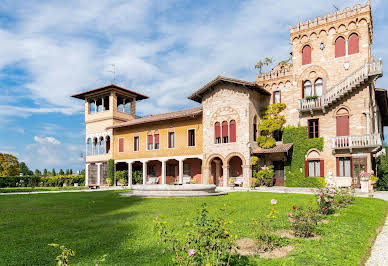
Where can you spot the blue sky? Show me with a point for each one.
(165, 49)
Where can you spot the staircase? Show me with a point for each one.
(370, 70)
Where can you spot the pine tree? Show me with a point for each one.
(61, 172)
(45, 172)
(67, 172)
(53, 173)
(70, 171)
(38, 172)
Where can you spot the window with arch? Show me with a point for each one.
(150, 141)
(107, 146)
(340, 47)
(232, 128)
(306, 55)
(89, 147)
(353, 44)
(314, 166)
(225, 132)
(309, 89)
(217, 132)
(318, 87)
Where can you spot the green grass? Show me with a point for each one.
(104, 228)
(33, 189)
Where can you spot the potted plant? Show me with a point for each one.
(192, 181)
(231, 182)
(374, 179)
(109, 181)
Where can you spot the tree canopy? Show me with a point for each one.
(9, 165)
(271, 122)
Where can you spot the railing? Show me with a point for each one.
(347, 84)
(357, 141)
(307, 104)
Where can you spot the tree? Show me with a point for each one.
(53, 173)
(38, 172)
(61, 172)
(9, 165)
(70, 171)
(267, 61)
(382, 172)
(23, 169)
(45, 173)
(67, 172)
(271, 122)
(111, 169)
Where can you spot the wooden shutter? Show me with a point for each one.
(217, 130)
(337, 165)
(232, 131)
(353, 44)
(121, 145)
(340, 49)
(351, 166)
(150, 139)
(303, 89)
(306, 168)
(306, 55)
(156, 138)
(135, 144)
(342, 124)
(322, 168)
(225, 132)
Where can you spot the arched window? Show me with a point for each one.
(314, 166)
(225, 132)
(353, 46)
(101, 146)
(318, 87)
(95, 151)
(255, 128)
(107, 147)
(90, 147)
(307, 89)
(156, 138)
(217, 132)
(306, 55)
(340, 47)
(232, 128)
(127, 108)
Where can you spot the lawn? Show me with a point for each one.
(104, 228)
(33, 189)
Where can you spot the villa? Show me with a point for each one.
(329, 86)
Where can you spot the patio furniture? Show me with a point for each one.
(186, 180)
(239, 181)
(153, 180)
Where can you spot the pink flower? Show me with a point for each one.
(331, 200)
(319, 199)
(191, 252)
(332, 195)
(294, 207)
(321, 194)
(326, 199)
(289, 214)
(274, 201)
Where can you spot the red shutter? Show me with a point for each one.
(156, 138)
(225, 132)
(121, 145)
(322, 168)
(150, 139)
(303, 89)
(342, 124)
(306, 168)
(351, 166)
(217, 130)
(232, 131)
(340, 48)
(337, 165)
(306, 55)
(353, 44)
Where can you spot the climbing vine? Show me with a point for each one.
(271, 122)
(294, 167)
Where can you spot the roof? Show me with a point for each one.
(192, 112)
(382, 101)
(82, 95)
(277, 149)
(197, 95)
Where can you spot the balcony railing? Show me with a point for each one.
(357, 141)
(373, 68)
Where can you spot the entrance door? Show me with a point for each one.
(359, 165)
(278, 167)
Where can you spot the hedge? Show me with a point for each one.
(294, 167)
(41, 181)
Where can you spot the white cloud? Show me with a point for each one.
(46, 140)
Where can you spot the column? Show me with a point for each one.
(367, 118)
(87, 174)
(144, 172)
(225, 176)
(247, 172)
(129, 173)
(218, 170)
(164, 172)
(181, 171)
(98, 173)
(87, 152)
(205, 176)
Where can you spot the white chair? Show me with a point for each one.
(153, 180)
(239, 181)
(186, 180)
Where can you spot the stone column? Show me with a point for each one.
(87, 174)
(98, 173)
(206, 172)
(218, 169)
(181, 171)
(144, 172)
(129, 173)
(225, 176)
(247, 172)
(164, 172)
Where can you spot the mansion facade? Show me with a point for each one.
(329, 86)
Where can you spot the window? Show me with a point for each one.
(156, 143)
(306, 55)
(307, 89)
(254, 129)
(171, 140)
(217, 132)
(344, 166)
(150, 142)
(313, 128)
(318, 87)
(276, 97)
(340, 47)
(121, 144)
(225, 132)
(278, 169)
(191, 137)
(314, 168)
(92, 107)
(353, 44)
(153, 170)
(170, 170)
(136, 143)
(187, 169)
(232, 128)
(278, 135)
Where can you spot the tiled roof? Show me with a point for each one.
(82, 95)
(278, 148)
(197, 96)
(192, 112)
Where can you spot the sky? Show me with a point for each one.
(164, 49)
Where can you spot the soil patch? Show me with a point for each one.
(248, 247)
(324, 221)
(290, 234)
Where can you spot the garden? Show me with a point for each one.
(242, 228)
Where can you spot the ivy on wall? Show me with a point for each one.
(294, 167)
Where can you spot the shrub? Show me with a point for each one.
(254, 182)
(303, 221)
(265, 175)
(137, 177)
(122, 176)
(109, 181)
(207, 241)
(111, 169)
(43, 181)
(325, 199)
(343, 197)
(63, 258)
(382, 172)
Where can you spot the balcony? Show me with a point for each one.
(310, 104)
(357, 142)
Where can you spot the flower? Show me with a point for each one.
(331, 200)
(289, 214)
(274, 201)
(319, 199)
(191, 252)
(320, 194)
(324, 208)
(326, 199)
(294, 207)
(332, 195)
